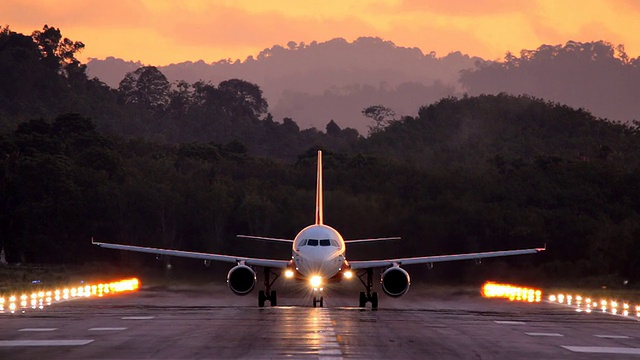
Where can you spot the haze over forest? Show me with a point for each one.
(335, 80)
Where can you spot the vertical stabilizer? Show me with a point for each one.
(319, 195)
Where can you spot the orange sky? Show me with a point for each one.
(160, 32)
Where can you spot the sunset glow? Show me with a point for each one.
(161, 32)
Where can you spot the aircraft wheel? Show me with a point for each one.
(315, 301)
(321, 301)
(374, 300)
(363, 299)
(261, 298)
(274, 299)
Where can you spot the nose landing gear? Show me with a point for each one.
(318, 299)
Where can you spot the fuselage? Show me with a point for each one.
(318, 250)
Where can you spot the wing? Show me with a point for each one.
(288, 241)
(359, 241)
(438, 258)
(197, 255)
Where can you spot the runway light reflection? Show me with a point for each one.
(512, 292)
(607, 306)
(48, 297)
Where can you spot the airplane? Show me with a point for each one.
(318, 256)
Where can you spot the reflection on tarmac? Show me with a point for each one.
(582, 304)
(209, 322)
(42, 298)
(588, 305)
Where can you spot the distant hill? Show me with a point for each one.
(595, 76)
(334, 80)
(315, 83)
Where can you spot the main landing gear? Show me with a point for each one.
(267, 294)
(368, 296)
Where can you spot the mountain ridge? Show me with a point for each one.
(335, 80)
(335, 68)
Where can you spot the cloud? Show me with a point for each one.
(465, 7)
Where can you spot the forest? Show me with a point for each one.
(190, 166)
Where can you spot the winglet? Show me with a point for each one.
(319, 195)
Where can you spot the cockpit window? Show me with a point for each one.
(334, 243)
(303, 242)
(312, 242)
(325, 242)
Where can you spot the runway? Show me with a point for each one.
(207, 322)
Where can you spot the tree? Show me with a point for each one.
(57, 52)
(381, 115)
(147, 87)
(243, 98)
(333, 129)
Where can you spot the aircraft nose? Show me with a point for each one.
(324, 265)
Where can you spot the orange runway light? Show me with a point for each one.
(512, 292)
(48, 297)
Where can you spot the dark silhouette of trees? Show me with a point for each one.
(41, 77)
(56, 52)
(243, 98)
(465, 174)
(382, 116)
(146, 87)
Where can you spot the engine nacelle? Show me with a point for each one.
(241, 279)
(395, 281)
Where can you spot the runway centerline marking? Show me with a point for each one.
(329, 341)
(10, 343)
(603, 350)
(613, 336)
(509, 322)
(138, 317)
(38, 329)
(108, 329)
(544, 334)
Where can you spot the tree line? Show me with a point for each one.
(474, 173)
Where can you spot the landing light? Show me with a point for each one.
(288, 273)
(348, 274)
(316, 281)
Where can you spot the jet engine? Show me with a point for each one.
(241, 279)
(395, 281)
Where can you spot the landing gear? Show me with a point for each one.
(318, 299)
(368, 295)
(267, 294)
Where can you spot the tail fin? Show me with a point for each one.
(319, 194)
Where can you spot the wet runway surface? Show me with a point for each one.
(210, 323)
